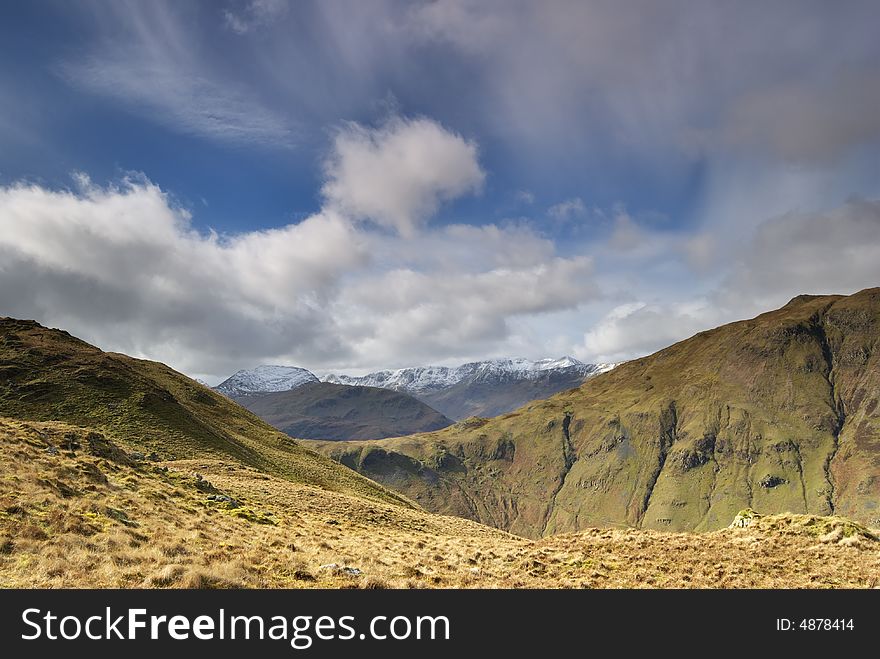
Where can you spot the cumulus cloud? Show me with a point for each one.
(416, 313)
(123, 267)
(398, 174)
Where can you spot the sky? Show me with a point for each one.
(347, 186)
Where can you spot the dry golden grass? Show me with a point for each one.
(76, 519)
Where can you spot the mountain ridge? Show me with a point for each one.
(419, 379)
(485, 388)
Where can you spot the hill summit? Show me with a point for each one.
(265, 379)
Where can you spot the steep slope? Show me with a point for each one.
(320, 410)
(486, 388)
(264, 379)
(778, 413)
(48, 375)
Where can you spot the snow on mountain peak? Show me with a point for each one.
(263, 379)
(432, 378)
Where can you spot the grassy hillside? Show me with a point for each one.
(778, 413)
(78, 510)
(48, 375)
(322, 410)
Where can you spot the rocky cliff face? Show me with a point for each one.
(778, 413)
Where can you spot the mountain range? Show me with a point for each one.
(485, 388)
(776, 413)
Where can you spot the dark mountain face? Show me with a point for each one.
(778, 413)
(321, 410)
(492, 396)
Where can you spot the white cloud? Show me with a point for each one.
(639, 328)
(398, 174)
(254, 14)
(414, 313)
(525, 196)
(122, 267)
(568, 209)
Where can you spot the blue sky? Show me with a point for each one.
(353, 185)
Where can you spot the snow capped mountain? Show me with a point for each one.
(425, 379)
(485, 388)
(263, 379)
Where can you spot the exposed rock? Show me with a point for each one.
(224, 498)
(203, 485)
(336, 568)
(744, 518)
(101, 447)
(120, 516)
(770, 482)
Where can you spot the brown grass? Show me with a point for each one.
(72, 520)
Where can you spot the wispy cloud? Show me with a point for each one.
(153, 67)
(182, 100)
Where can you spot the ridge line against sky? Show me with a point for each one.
(355, 186)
